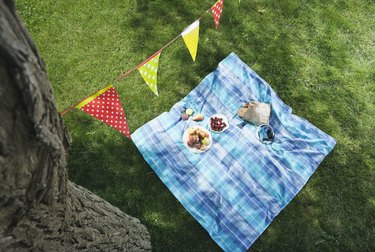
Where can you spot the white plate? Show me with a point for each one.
(219, 116)
(185, 139)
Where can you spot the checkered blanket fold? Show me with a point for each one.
(237, 187)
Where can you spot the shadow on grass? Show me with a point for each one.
(112, 167)
(332, 212)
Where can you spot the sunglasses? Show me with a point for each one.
(265, 134)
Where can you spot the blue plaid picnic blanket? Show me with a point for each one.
(237, 187)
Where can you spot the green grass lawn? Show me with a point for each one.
(319, 56)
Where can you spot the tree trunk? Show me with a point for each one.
(40, 209)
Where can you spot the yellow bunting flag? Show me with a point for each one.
(191, 36)
(105, 105)
(149, 72)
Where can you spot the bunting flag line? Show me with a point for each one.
(105, 105)
(217, 9)
(191, 36)
(149, 72)
(148, 69)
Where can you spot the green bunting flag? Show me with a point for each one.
(149, 72)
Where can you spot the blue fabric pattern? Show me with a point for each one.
(237, 187)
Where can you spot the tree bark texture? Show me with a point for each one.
(40, 210)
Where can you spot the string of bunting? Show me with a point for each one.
(105, 104)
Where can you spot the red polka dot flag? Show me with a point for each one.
(217, 8)
(105, 105)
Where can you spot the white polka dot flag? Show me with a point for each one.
(217, 9)
(105, 105)
(191, 36)
(149, 72)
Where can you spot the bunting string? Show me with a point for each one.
(62, 113)
(148, 70)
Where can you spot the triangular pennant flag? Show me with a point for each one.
(149, 72)
(217, 8)
(105, 105)
(191, 36)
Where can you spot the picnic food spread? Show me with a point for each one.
(196, 138)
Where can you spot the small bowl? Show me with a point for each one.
(265, 134)
(224, 120)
